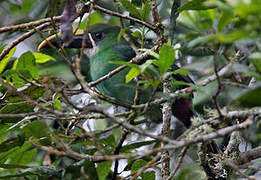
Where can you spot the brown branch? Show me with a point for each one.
(27, 25)
(165, 131)
(22, 95)
(146, 166)
(120, 143)
(113, 13)
(215, 96)
(233, 166)
(17, 115)
(21, 38)
(173, 144)
(233, 143)
(248, 156)
(182, 155)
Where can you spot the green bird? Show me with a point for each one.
(104, 48)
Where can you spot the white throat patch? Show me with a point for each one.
(91, 51)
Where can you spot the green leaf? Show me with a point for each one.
(136, 34)
(122, 32)
(57, 103)
(11, 143)
(145, 65)
(201, 39)
(24, 155)
(137, 165)
(110, 141)
(181, 71)
(36, 129)
(255, 59)
(23, 8)
(2, 48)
(134, 72)
(14, 108)
(145, 10)
(34, 92)
(148, 175)
(231, 37)
(6, 59)
(95, 18)
(196, 5)
(250, 97)
(225, 19)
(130, 8)
(42, 58)
(166, 58)
(27, 61)
(104, 169)
(90, 170)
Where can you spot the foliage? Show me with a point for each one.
(52, 129)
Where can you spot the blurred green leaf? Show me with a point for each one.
(196, 5)
(103, 169)
(256, 60)
(137, 165)
(11, 143)
(95, 18)
(110, 141)
(6, 59)
(42, 58)
(25, 6)
(27, 61)
(130, 8)
(201, 39)
(57, 103)
(34, 92)
(166, 58)
(231, 37)
(15, 108)
(181, 71)
(145, 10)
(2, 47)
(122, 32)
(36, 129)
(90, 169)
(148, 175)
(134, 72)
(225, 19)
(136, 34)
(24, 155)
(250, 97)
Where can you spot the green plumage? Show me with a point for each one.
(110, 51)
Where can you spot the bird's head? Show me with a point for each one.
(97, 34)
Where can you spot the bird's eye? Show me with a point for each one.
(99, 35)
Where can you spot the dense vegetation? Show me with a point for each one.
(54, 124)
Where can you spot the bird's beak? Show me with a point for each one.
(56, 40)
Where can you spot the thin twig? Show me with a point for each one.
(181, 157)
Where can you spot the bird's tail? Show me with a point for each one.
(182, 110)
